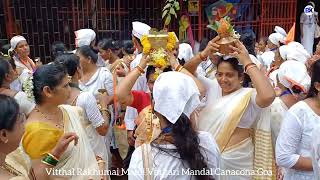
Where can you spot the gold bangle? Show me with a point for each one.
(250, 67)
(177, 67)
(141, 70)
(54, 157)
(180, 69)
(101, 161)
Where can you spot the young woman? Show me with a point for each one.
(50, 120)
(11, 131)
(108, 50)
(293, 149)
(96, 123)
(232, 113)
(178, 147)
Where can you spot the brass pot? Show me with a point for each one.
(224, 43)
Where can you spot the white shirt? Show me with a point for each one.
(316, 152)
(102, 79)
(295, 138)
(214, 92)
(164, 164)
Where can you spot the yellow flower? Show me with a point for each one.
(171, 41)
(161, 62)
(146, 44)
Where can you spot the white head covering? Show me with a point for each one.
(185, 52)
(14, 41)
(267, 58)
(280, 30)
(276, 38)
(175, 93)
(298, 54)
(84, 37)
(283, 50)
(293, 73)
(139, 29)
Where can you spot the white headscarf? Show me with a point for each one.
(175, 93)
(84, 37)
(293, 73)
(185, 52)
(267, 58)
(276, 38)
(294, 51)
(283, 50)
(14, 41)
(280, 30)
(139, 29)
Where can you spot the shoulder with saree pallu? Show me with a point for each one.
(222, 117)
(40, 138)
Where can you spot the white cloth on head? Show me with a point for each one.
(276, 38)
(267, 58)
(139, 29)
(177, 91)
(297, 53)
(84, 37)
(14, 41)
(283, 50)
(293, 73)
(25, 104)
(185, 52)
(280, 30)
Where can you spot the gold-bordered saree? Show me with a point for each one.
(254, 154)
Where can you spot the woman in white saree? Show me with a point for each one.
(234, 115)
(50, 120)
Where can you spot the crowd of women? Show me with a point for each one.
(103, 110)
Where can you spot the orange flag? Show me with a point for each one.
(291, 33)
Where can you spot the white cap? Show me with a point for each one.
(280, 30)
(294, 73)
(185, 52)
(139, 29)
(84, 37)
(276, 38)
(175, 93)
(14, 41)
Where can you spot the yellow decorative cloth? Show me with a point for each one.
(40, 138)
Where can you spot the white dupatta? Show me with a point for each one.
(80, 158)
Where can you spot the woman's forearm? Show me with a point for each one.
(303, 164)
(193, 64)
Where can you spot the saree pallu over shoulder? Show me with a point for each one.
(223, 117)
(79, 158)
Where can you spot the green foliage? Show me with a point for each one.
(170, 9)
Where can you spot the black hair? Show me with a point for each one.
(186, 141)
(111, 44)
(150, 70)
(315, 78)
(203, 44)
(248, 39)
(57, 48)
(70, 62)
(137, 40)
(87, 51)
(4, 69)
(50, 75)
(234, 63)
(128, 46)
(8, 113)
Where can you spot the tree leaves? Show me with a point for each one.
(164, 13)
(171, 8)
(168, 20)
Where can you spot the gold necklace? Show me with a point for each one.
(58, 125)
(10, 169)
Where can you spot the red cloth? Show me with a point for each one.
(141, 100)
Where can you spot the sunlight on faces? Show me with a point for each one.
(23, 49)
(228, 78)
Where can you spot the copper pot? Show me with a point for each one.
(225, 41)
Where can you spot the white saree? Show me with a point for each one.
(221, 117)
(81, 157)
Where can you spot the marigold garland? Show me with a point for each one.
(146, 44)
(171, 41)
